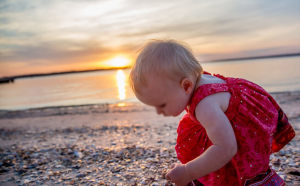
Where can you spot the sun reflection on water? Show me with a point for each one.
(121, 83)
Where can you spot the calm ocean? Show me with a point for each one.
(273, 74)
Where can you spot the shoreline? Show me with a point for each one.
(73, 109)
(102, 107)
(108, 145)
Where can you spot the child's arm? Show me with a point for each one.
(210, 113)
(219, 130)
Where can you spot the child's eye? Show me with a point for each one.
(162, 105)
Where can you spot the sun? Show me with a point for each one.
(118, 61)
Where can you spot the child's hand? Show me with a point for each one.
(178, 175)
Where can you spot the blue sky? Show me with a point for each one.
(45, 36)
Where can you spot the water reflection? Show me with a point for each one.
(112, 87)
(121, 83)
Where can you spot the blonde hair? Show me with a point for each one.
(166, 57)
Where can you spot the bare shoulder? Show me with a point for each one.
(220, 99)
(213, 106)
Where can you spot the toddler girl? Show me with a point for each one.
(231, 126)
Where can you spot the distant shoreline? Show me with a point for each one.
(10, 79)
(255, 57)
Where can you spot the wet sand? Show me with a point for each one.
(107, 145)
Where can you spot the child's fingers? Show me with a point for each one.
(173, 165)
(168, 176)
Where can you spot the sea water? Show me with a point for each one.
(112, 87)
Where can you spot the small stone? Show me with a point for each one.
(72, 182)
(282, 153)
(78, 154)
(81, 175)
(293, 171)
(26, 181)
(143, 182)
(275, 162)
(76, 167)
(282, 175)
(154, 184)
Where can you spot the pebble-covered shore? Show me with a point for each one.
(114, 147)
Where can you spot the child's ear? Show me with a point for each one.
(187, 85)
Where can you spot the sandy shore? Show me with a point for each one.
(107, 145)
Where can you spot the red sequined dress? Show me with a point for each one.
(260, 128)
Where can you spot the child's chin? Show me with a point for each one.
(172, 115)
(177, 114)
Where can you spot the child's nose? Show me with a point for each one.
(158, 111)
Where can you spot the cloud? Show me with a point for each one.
(61, 52)
(260, 51)
(66, 31)
(14, 33)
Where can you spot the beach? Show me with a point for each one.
(108, 144)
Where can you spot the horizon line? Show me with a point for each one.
(11, 78)
(253, 57)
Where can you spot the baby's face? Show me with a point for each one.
(166, 95)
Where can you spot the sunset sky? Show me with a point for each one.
(38, 36)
